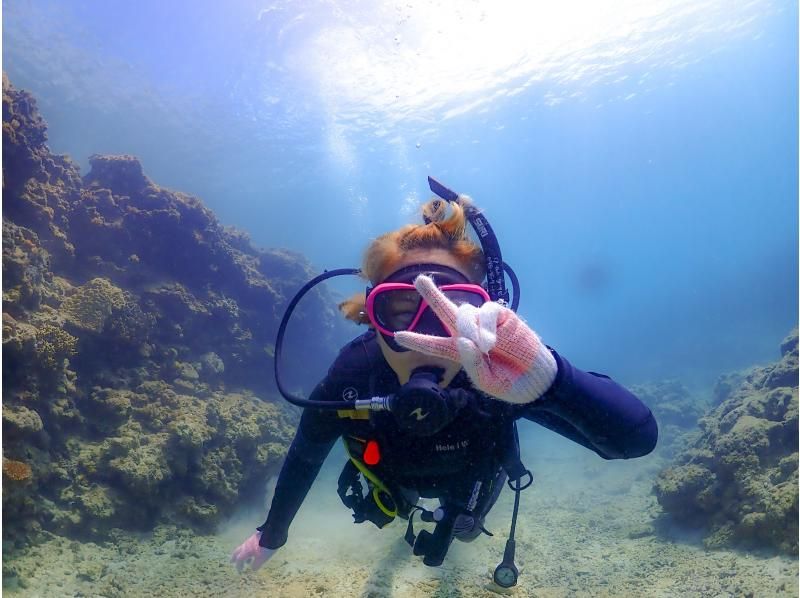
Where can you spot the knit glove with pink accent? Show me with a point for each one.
(502, 356)
(250, 553)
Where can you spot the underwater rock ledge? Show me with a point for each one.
(137, 347)
(739, 478)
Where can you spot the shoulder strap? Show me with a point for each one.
(354, 373)
(358, 357)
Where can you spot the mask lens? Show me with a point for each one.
(396, 309)
(460, 297)
(429, 323)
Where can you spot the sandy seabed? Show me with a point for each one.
(587, 528)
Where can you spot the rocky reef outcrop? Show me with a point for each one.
(677, 411)
(137, 346)
(739, 479)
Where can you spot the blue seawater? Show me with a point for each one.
(639, 163)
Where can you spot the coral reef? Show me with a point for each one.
(739, 478)
(92, 305)
(137, 345)
(676, 409)
(16, 470)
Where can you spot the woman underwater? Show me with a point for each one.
(453, 371)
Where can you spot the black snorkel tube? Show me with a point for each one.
(495, 267)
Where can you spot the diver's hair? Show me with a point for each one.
(442, 231)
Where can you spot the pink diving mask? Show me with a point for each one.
(395, 305)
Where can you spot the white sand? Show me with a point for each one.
(586, 528)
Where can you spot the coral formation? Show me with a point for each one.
(136, 346)
(676, 410)
(53, 345)
(739, 479)
(92, 304)
(20, 419)
(16, 470)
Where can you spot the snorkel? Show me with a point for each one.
(496, 269)
(495, 266)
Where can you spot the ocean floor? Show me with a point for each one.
(587, 527)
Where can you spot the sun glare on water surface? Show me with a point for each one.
(437, 59)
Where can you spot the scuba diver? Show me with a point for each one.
(426, 401)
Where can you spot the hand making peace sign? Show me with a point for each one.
(502, 356)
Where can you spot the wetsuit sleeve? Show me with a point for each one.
(316, 434)
(593, 410)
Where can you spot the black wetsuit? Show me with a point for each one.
(588, 408)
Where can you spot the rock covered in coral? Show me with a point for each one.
(16, 471)
(671, 402)
(19, 420)
(137, 345)
(740, 477)
(92, 304)
(676, 409)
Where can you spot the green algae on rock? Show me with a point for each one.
(739, 479)
(136, 332)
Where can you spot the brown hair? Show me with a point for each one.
(443, 231)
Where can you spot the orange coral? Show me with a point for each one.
(16, 470)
